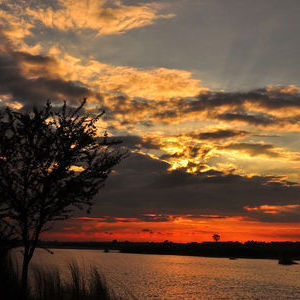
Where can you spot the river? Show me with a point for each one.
(182, 277)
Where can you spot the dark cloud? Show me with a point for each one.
(137, 142)
(109, 219)
(147, 123)
(143, 187)
(205, 217)
(292, 216)
(154, 218)
(253, 149)
(166, 114)
(35, 90)
(33, 59)
(253, 119)
(236, 104)
(123, 104)
(272, 99)
(220, 134)
(147, 230)
(264, 99)
(174, 155)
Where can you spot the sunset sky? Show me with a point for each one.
(204, 93)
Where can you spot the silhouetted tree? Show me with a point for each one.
(216, 237)
(51, 162)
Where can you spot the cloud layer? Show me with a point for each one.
(199, 155)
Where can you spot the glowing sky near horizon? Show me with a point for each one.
(204, 93)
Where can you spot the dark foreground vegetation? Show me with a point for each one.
(47, 284)
(250, 249)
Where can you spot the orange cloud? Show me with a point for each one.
(152, 84)
(14, 27)
(185, 228)
(274, 209)
(182, 152)
(97, 15)
(290, 89)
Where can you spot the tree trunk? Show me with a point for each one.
(24, 279)
(28, 253)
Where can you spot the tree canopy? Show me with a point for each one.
(52, 161)
(216, 237)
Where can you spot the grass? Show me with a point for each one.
(9, 278)
(47, 284)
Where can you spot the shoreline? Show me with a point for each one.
(230, 250)
(170, 254)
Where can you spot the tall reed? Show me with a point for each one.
(47, 284)
(9, 276)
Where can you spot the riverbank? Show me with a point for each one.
(251, 249)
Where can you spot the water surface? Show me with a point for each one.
(183, 277)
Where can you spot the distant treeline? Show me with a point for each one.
(250, 249)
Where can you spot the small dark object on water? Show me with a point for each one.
(232, 258)
(286, 261)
